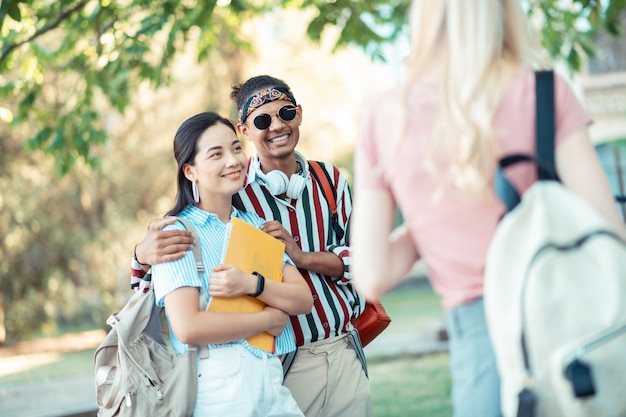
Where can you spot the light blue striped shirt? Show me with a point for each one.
(167, 277)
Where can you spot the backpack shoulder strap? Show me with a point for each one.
(323, 179)
(330, 193)
(544, 140)
(197, 251)
(203, 350)
(545, 125)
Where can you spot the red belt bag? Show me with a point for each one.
(371, 322)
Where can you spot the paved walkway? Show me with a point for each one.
(72, 396)
(393, 346)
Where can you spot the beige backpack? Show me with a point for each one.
(136, 372)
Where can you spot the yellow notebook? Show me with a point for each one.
(251, 249)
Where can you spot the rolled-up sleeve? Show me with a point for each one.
(169, 276)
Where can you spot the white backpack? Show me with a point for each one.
(555, 296)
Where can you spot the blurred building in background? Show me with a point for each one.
(603, 84)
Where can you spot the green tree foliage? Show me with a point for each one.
(61, 236)
(93, 49)
(58, 60)
(65, 242)
(567, 27)
(107, 48)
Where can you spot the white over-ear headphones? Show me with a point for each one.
(277, 182)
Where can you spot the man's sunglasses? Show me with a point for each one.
(286, 113)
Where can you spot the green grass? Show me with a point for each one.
(411, 387)
(413, 308)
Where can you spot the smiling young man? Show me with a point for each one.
(326, 376)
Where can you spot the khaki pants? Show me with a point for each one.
(327, 380)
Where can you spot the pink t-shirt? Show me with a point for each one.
(451, 229)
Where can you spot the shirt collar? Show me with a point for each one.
(198, 216)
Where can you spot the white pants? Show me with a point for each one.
(233, 382)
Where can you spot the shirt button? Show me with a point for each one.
(314, 297)
(291, 209)
(296, 238)
(325, 325)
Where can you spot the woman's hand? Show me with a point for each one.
(277, 320)
(194, 326)
(229, 281)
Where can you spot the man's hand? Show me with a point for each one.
(326, 263)
(229, 281)
(160, 246)
(276, 230)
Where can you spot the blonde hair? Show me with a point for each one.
(477, 43)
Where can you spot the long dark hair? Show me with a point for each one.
(185, 150)
(242, 92)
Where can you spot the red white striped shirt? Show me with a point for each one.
(308, 220)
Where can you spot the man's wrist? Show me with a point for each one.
(137, 259)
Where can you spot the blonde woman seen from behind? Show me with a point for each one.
(429, 148)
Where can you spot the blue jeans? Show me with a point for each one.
(475, 379)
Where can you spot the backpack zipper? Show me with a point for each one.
(595, 342)
(150, 384)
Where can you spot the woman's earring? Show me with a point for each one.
(196, 193)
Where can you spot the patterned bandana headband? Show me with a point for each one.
(262, 97)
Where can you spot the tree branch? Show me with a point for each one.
(38, 33)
